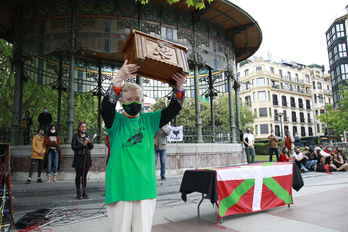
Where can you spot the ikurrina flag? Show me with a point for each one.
(250, 188)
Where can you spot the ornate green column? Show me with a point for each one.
(236, 88)
(18, 60)
(229, 74)
(71, 101)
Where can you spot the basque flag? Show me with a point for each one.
(251, 188)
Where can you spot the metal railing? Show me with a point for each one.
(219, 135)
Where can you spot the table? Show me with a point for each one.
(206, 182)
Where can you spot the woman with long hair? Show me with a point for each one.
(52, 142)
(82, 144)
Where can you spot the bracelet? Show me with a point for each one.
(180, 91)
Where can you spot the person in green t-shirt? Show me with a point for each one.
(130, 185)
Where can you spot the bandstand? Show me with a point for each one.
(75, 45)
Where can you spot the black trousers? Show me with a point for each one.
(81, 175)
(39, 167)
(275, 150)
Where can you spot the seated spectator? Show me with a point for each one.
(285, 156)
(339, 151)
(297, 158)
(328, 148)
(338, 161)
(312, 159)
(323, 157)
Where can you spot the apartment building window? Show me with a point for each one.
(252, 82)
(254, 96)
(293, 117)
(276, 118)
(289, 75)
(342, 50)
(319, 85)
(262, 112)
(300, 103)
(281, 73)
(270, 113)
(277, 130)
(309, 118)
(292, 102)
(247, 86)
(303, 131)
(296, 76)
(275, 99)
(315, 98)
(272, 70)
(286, 128)
(307, 78)
(260, 81)
(246, 72)
(310, 131)
(284, 103)
(294, 130)
(238, 75)
(322, 112)
(256, 129)
(248, 100)
(264, 128)
(313, 84)
(308, 104)
(285, 117)
(316, 112)
(261, 95)
(318, 128)
(320, 96)
(302, 117)
(258, 69)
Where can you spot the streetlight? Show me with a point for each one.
(280, 115)
(327, 119)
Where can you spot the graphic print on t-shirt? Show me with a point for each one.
(134, 139)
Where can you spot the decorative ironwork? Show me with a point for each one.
(195, 59)
(148, 28)
(131, 24)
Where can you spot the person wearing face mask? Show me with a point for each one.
(45, 119)
(37, 155)
(288, 142)
(328, 148)
(298, 158)
(273, 146)
(285, 156)
(130, 184)
(297, 138)
(52, 142)
(248, 141)
(82, 144)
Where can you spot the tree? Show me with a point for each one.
(337, 117)
(187, 115)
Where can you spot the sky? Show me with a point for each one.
(293, 30)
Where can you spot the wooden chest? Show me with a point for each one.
(158, 59)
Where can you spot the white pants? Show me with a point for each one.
(135, 216)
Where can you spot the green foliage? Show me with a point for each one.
(187, 115)
(337, 118)
(261, 148)
(6, 83)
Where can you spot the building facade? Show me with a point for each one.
(337, 39)
(284, 96)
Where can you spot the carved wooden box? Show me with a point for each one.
(158, 59)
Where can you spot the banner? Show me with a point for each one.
(176, 133)
(254, 187)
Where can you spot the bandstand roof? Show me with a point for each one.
(246, 31)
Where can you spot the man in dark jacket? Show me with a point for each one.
(45, 119)
(273, 146)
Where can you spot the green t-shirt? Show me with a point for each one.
(131, 171)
